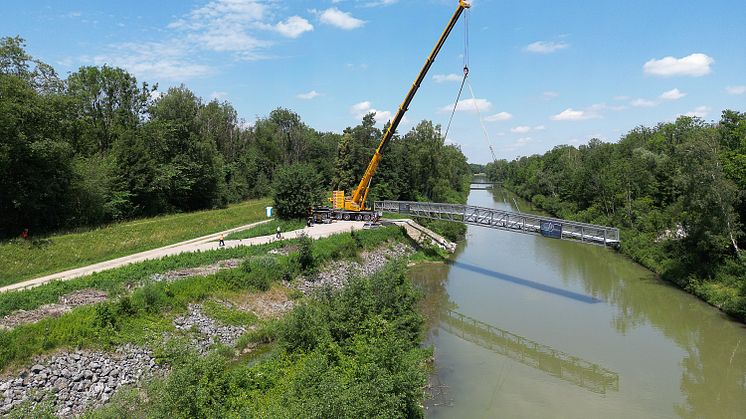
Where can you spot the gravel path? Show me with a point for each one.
(199, 244)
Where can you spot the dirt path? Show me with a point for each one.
(203, 243)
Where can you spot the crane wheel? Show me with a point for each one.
(347, 217)
(358, 217)
(366, 217)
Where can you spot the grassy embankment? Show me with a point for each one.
(21, 260)
(347, 354)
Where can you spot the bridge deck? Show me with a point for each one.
(506, 220)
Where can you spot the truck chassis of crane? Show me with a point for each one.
(325, 215)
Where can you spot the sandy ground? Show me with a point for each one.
(203, 243)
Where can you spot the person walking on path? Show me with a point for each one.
(221, 241)
(278, 235)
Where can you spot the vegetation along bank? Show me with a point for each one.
(676, 190)
(302, 328)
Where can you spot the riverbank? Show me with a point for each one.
(229, 306)
(724, 289)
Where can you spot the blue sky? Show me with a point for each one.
(543, 73)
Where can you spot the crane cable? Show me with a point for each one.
(455, 104)
(466, 72)
(481, 121)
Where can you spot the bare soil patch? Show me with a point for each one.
(65, 303)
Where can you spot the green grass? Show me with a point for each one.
(21, 260)
(267, 229)
(228, 316)
(148, 310)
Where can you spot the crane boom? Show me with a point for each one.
(357, 201)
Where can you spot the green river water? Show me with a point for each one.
(530, 327)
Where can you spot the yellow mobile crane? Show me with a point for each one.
(353, 207)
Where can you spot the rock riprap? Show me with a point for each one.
(337, 273)
(76, 381)
(211, 331)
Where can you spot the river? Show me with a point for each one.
(531, 327)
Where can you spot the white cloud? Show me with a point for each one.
(500, 116)
(380, 3)
(519, 143)
(469, 105)
(218, 95)
(441, 78)
(549, 95)
(293, 27)
(673, 94)
(308, 96)
(546, 47)
(156, 94)
(692, 65)
(571, 114)
(362, 66)
(343, 20)
(621, 97)
(643, 103)
(735, 90)
(699, 112)
(223, 26)
(359, 110)
(522, 129)
(152, 60)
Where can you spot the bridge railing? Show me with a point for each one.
(505, 220)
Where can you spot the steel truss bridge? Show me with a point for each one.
(564, 366)
(505, 220)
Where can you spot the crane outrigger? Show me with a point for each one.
(353, 207)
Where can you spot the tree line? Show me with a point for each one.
(676, 190)
(99, 147)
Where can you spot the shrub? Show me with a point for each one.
(305, 253)
(153, 298)
(105, 316)
(296, 190)
(260, 272)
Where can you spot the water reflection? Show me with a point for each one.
(570, 368)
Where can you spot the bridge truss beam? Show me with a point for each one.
(506, 220)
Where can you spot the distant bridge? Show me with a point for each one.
(506, 220)
(564, 366)
(482, 185)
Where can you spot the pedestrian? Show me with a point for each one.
(221, 243)
(278, 235)
(24, 234)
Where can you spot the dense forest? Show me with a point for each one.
(676, 191)
(99, 146)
